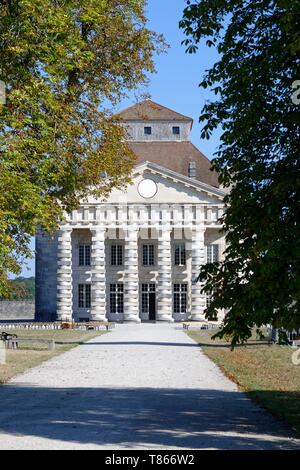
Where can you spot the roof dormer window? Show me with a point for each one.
(147, 130)
(192, 172)
(176, 130)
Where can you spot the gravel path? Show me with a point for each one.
(139, 387)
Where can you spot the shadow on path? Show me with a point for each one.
(185, 418)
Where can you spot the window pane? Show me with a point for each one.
(116, 298)
(87, 296)
(151, 255)
(148, 255)
(113, 305)
(147, 130)
(113, 255)
(177, 255)
(176, 302)
(183, 302)
(212, 253)
(87, 260)
(120, 255)
(120, 303)
(145, 255)
(176, 130)
(81, 255)
(180, 298)
(145, 302)
(81, 296)
(180, 257)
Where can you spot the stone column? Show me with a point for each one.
(64, 307)
(98, 289)
(198, 300)
(131, 276)
(164, 294)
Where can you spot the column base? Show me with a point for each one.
(197, 317)
(132, 320)
(65, 318)
(165, 318)
(98, 318)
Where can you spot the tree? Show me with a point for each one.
(21, 288)
(258, 44)
(62, 61)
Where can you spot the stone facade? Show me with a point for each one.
(136, 256)
(160, 131)
(16, 310)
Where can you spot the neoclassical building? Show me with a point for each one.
(136, 256)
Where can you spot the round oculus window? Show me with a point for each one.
(147, 188)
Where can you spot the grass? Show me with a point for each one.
(264, 371)
(32, 354)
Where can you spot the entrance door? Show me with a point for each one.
(152, 306)
(148, 302)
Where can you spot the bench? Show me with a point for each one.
(202, 325)
(94, 325)
(13, 343)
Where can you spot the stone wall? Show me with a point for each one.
(16, 310)
(161, 131)
(45, 277)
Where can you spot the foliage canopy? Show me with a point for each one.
(62, 61)
(258, 44)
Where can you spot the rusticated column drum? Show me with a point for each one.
(64, 275)
(164, 299)
(98, 294)
(198, 300)
(131, 276)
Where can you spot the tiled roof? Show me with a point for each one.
(176, 156)
(149, 111)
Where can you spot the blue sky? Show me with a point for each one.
(175, 84)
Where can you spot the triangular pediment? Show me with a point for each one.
(179, 179)
(171, 188)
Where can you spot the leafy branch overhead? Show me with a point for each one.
(62, 61)
(259, 60)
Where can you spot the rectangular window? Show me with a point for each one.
(192, 172)
(84, 295)
(212, 253)
(180, 298)
(176, 130)
(180, 254)
(84, 255)
(116, 298)
(148, 255)
(146, 289)
(116, 255)
(147, 130)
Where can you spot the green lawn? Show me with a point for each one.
(32, 354)
(265, 372)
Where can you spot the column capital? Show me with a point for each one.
(164, 232)
(98, 230)
(198, 229)
(65, 230)
(131, 231)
